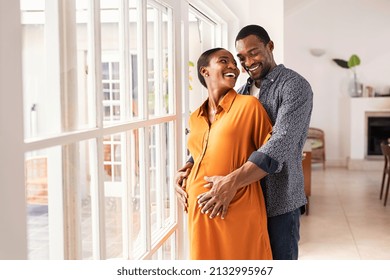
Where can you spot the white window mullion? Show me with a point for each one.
(144, 132)
(171, 58)
(69, 120)
(142, 59)
(171, 169)
(158, 72)
(55, 197)
(124, 58)
(146, 228)
(162, 171)
(96, 112)
(181, 85)
(159, 177)
(125, 109)
(63, 190)
(158, 57)
(170, 172)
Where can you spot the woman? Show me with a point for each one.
(224, 131)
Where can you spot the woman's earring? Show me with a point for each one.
(206, 75)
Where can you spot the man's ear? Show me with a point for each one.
(271, 45)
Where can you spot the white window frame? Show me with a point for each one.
(65, 248)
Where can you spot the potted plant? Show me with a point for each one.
(355, 87)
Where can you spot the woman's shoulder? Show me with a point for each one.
(251, 105)
(195, 113)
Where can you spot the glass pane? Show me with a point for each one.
(160, 89)
(113, 94)
(115, 70)
(43, 71)
(167, 64)
(34, 68)
(201, 37)
(113, 157)
(36, 171)
(167, 250)
(161, 149)
(133, 39)
(88, 181)
(155, 204)
(114, 234)
(123, 204)
(105, 72)
(169, 200)
(114, 188)
(137, 213)
(85, 95)
(55, 177)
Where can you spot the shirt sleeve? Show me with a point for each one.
(291, 123)
(190, 159)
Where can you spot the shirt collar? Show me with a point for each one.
(271, 76)
(225, 103)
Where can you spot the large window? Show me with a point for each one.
(108, 86)
(100, 129)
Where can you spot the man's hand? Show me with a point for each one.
(224, 188)
(181, 182)
(217, 199)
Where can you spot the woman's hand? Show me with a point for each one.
(181, 183)
(224, 188)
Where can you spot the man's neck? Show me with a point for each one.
(258, 82)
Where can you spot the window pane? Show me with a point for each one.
(137, 216)
(113, 91)
(167, 250)
(133, 41)
(169, 199)
(113, 158)
(114, 188)
(115, 70)
(201, 37)
(34, 67)
(44, 91)
(37, 205)
(160, 89)
(123, 202)
(56, 177)
(88, 181)
(105, 72)
(85, 95)
(161, 149)
(62, 182)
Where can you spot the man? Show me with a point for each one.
(288, 100)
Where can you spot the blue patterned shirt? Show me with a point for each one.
(288, 99)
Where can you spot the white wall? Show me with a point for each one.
(341, 28)
(268, 14)
(13, 244)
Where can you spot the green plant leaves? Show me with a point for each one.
(353, 61)
(341, 62)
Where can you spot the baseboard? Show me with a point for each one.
(365, 164)
(336, 163)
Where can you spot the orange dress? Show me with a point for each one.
(240, 128)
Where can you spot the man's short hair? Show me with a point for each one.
(256, 30)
